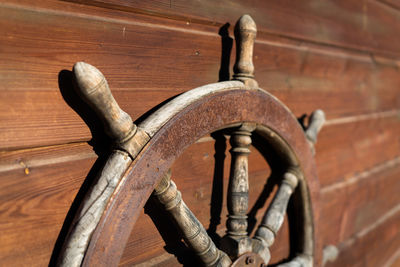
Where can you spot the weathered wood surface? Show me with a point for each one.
(373, 247)
(274, 216)
(192, 231)
(341, 56)
(34, 96)
(353, 146)
(35, 196)
(360, 201)
(238, 191)
(361, 25)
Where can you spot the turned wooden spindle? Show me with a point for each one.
(238, 188)
(94, 90)
(245, 34)
(193, 232)
(274, 216)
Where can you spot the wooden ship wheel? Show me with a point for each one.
(139, 166)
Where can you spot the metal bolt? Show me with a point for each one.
(249, 260)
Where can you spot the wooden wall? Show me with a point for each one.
(342, 56)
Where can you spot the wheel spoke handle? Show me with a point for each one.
(274, 216)
(192, 230)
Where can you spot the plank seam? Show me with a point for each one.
(350, 119)
(324, 49)
(21, 164)
(370, 116)
(363, 55)
(392, 259)
(391, 213)
(212, 23)
(110, 20)
(362, 176)
(388, 4)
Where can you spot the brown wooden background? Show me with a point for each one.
(342, 56)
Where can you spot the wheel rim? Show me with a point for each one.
(175, 136)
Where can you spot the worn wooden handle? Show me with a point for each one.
(94, 89)
(317, 120)
(245, 34)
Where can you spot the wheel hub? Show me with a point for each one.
(249, 260)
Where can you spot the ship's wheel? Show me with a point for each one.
(139, 167)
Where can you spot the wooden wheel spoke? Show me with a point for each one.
(238, 189)
(274, 216)
(192, 230)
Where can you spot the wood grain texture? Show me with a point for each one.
(354, 206)
(358, 146)
(362, 25)
(374, 248)
(38, 95)
(34, 200)
(26, 159)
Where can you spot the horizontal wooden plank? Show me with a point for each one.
(345, 149)
(24, 160)
(34, 201)
(363, 25)
(353, 206)
(147, 64)
(373, 247)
